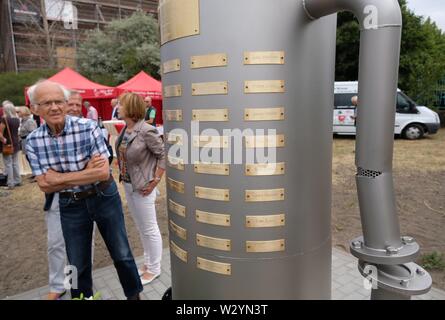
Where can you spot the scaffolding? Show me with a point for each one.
(34, 33)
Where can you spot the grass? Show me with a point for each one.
(433, 261)
(427, 154)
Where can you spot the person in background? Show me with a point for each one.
(9, 134)
(150, 112)
(74, 109)
(91, 111)
(2, 164)
(74, 104)
(27, 125)
(354, 101)
(141, 158)
(115, 112)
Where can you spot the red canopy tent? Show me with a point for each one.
(99, 96)
(145, 85)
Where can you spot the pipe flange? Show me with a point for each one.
(407, 279)
(391, 255)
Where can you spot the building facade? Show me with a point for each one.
(36, 34)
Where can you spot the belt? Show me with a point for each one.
(89, 192)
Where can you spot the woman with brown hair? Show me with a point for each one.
(141, 157)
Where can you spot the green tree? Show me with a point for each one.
(121, 50)
(422, 56)
(12, 85)
(348, 44)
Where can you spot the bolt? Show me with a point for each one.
(404, 283)
(357, 244)
(391, 250)
(420, 272)
(407, 240)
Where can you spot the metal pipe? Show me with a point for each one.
(380, 22)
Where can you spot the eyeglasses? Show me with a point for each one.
(49, 103)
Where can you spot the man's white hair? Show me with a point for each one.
(32, 91)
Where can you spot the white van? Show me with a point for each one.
(412, 121)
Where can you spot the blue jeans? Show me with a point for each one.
(77, 225)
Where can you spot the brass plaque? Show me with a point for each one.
(264, 114)
(213, 243)
(180, 253)
(264, 195)
(176, 163)
(208, 88)
(264, 86)
(217, 219)
(209, 60)
(264, 57)
(212, 168)
(173, 115)
(210, 114)
(176, 208)
(274, 220)
(213, 266)
(176, 185)
(173, 91)
(270, 141)
(171, 66)
(265, 246)
(174, 138)
(264, 169)
(212, 194)
(179, 231)
(211, 141)
(178, 19)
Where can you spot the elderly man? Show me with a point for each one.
(74, 109)
(75, 104)
(68, 155)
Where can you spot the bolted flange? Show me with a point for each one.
(389, 255)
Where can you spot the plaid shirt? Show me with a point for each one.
(68, 152)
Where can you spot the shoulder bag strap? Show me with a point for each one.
(9, 131)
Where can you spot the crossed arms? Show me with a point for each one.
(96, 170)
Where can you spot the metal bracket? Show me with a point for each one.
(407, 279)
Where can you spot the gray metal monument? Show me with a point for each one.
(256, 229)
